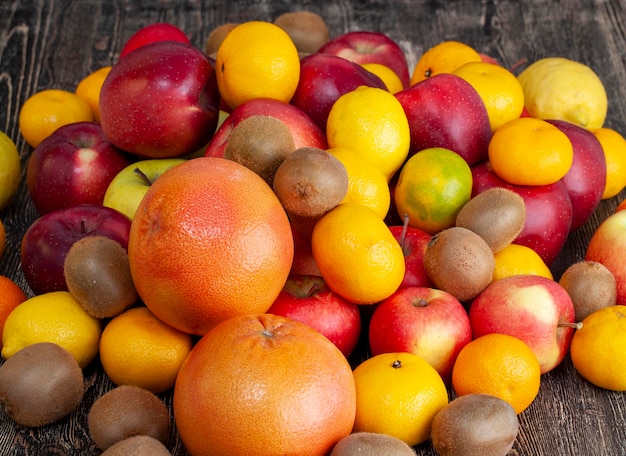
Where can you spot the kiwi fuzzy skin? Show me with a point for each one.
(138, 445)
(307, 30)
(590, 285)
(371, 444)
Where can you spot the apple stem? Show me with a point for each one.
(314, 289)
(82, 226)
(519, 63)
(405, 227)
(575, 325)
(141, 174)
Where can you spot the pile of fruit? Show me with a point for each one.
(316, 249)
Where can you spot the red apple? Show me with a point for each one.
(446, 111)
(425, 321)
(160, 31)
(323, 79)
(586, 178)
(160, 101)
(303, 261)
(47, 241)
(370, 47)
(548, 211)
(307, 299)
(413, 242)
(533, 308)
(608, 246)
(74, 165)
(305, 132)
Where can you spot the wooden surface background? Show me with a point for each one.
(55, 43)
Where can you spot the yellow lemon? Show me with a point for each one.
(387, 75)
(444, 57)
(10, 170)
(519, 259)
(89, 89)
(614, 148)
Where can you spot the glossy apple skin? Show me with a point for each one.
(586, 179)
(548, 212)
(425, 321)
(303, 261)
(307, 299)
(446, 111)
(323, 79)
(608, 246)
(370, 47)
(160, 31)
(47, 241)
(531, 308)
(413, 245)
(160, 101)
(74, 165)
(305, 132)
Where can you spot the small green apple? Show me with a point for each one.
(10, 170)
(128, 187)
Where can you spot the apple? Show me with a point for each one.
(533, 308)
(608, 247)
(305, 132)
(160, 31)
(307, 299)
(446, 111)
(425, 321)
(48, 239)
(413, 242)
(160, 101)
(74, 165)
(127, 188)
(370, 47)
(303, 261)
(586, 179)
(323, 79)
(548, 211)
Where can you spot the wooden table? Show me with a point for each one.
(55, 43)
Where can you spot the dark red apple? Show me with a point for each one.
(303, 261)
(446, 111)
(48, 239)
(307, 299)
(74, 165)
(413, 242)
(323, 79)
(160, 101)
(160, 31)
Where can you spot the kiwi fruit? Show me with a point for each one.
(260, 143)
(371, 444)
(40, 384)
(475, 425)
(126, 411)
(459, 261)
(590, 285)
(216, 36)
(497, 215)
(310, 182)
(137, 445)
(97, 274)
(307, 30)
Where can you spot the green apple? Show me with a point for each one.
(128, 187)
(10, 170)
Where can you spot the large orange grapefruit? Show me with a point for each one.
(209, 241)
(264, 384)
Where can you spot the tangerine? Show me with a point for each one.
(11, 295)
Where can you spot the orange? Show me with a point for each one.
(614, 146)
(444, 57)
(11, 295)
(138, 349)
(47, 110)
(621, 206)
(264, 384)
(89, 89)
(357, 255)
(398, 394)
(499, 89)
(501, 365)
(433, 185)
(529, 151)
(597, 349)
(519, 259)
(209, 240)
(389, 77)
(372, 122)
(257, 59)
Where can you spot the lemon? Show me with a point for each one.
(10, 170)
(52, 317)
(389, 77)
(519, 259)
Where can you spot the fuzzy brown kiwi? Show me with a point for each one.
(460, 262)
(260, 143)
(475, 425)
(216, 36)
(590, 285)
(40, 384)
(307, 30)
(97, 274)
(310, 182)
(497, 215)
(138, 445)
(127, 411)
(371, 444)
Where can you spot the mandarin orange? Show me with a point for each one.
(11, 295)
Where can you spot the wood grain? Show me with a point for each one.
(55, 43)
